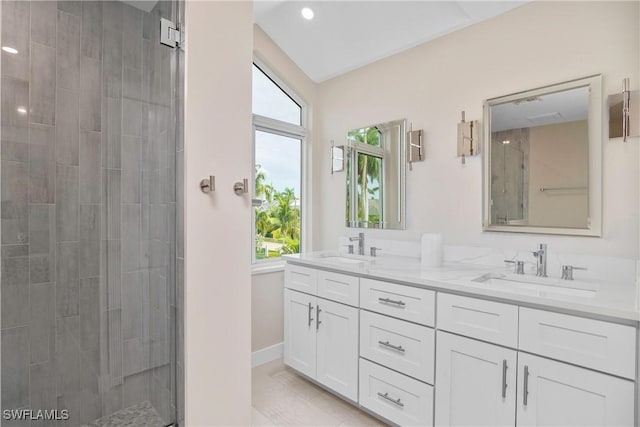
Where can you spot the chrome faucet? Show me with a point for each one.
(360, 240)
(541, 258)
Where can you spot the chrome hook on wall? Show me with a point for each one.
(241, 188)
(207, 185)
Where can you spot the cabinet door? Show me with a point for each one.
(558, 394)
(337, 348)
(300, 332)
(475, 383)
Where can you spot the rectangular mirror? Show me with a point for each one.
(376, 169)
(542, 160)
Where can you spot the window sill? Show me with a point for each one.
(267, 267)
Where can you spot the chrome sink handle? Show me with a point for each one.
(519, 265)
(567, 271)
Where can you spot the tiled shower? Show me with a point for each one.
(91, 160)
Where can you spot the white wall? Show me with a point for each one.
(558, 157)
(267, 310)
(535, 45)
(218, 141)
(267, 289)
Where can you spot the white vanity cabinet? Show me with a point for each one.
(337, 348)
(300, 332)
(394, 396)
(475, 383)
(552, 393)
(416, 356)
(320, 336)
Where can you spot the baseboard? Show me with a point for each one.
(267, 354)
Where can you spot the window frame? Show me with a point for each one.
(278, 127)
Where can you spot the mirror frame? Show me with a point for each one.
(402, 203)
(596, 139)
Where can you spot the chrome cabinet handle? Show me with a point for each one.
(318, 317)
(394, 347)
(525, 394)
(309, 315)
(394, 401)
(391, 301)
(504, 378)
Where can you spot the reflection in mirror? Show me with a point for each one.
(375, 176)
(541, 171)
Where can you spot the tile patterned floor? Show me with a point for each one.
(283, 398)
(142, 415)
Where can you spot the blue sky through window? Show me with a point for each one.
(279, 157)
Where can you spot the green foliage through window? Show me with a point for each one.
(369, 177)
(277, 220)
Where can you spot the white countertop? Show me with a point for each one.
(612, 301)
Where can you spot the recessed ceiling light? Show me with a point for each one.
(307, 13)
(506, 142)
(22, 110)
(9, 49)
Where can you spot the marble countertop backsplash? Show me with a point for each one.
(617, 297)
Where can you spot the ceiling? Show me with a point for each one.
(560, 107)
(345, 35)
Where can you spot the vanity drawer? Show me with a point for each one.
(595, 344)
(402, 346)
(338, 287)
(396, 397)
(486, 320)
(404, 302)
(301, 279)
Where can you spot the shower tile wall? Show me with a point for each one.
(88, 214)
(510, 175)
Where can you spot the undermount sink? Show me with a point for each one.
(343, 260)
(340, 259)
(538, 286)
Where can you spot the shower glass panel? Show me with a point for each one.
(90, 116)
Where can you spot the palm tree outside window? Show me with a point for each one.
(279, 135)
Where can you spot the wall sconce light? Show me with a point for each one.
(414, 147)
(468, 141)
(622, 123)
(337, 158)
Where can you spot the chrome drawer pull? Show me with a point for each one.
(310, 319)
(318, 321)
(395, 347)
(504, 378)
(525, 394)
(394, 401)
(391, 301)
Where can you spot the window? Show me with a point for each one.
(367, 153)
(278, 135)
